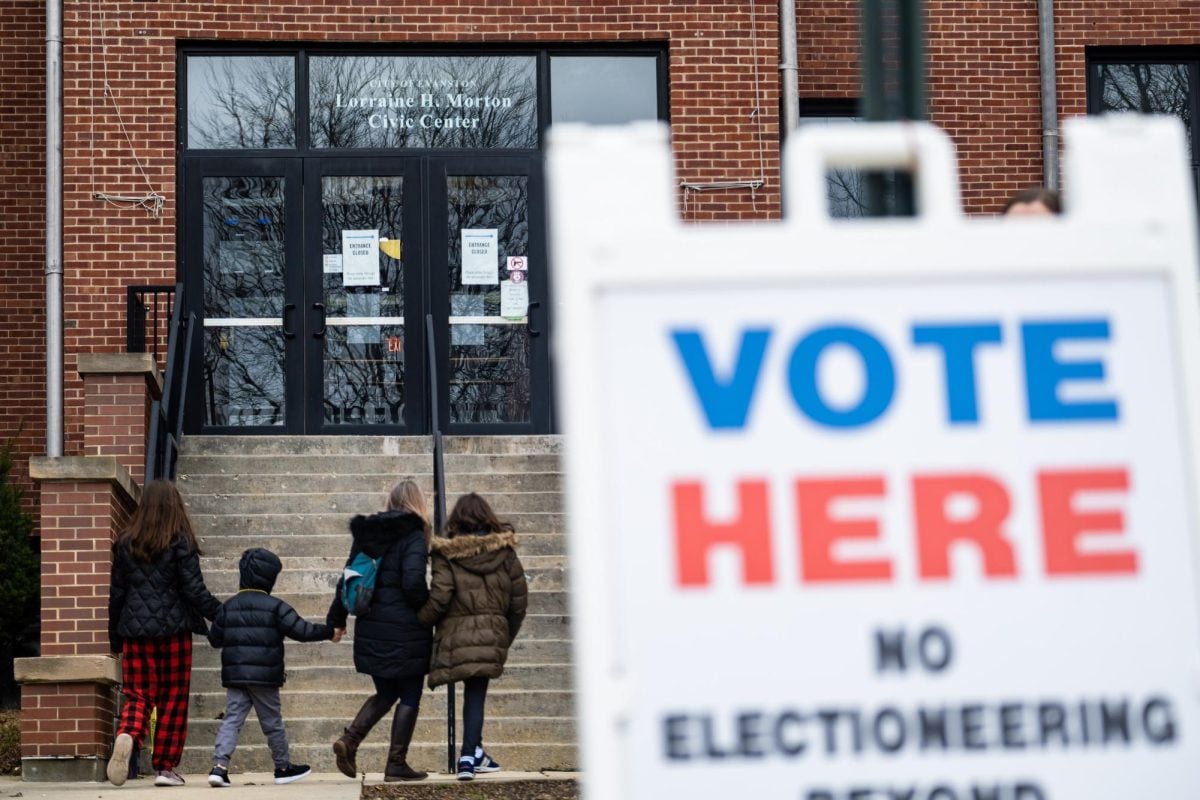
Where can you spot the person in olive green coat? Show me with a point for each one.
(477, 600)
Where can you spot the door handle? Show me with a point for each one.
(287, 334)
(320, 332)
(529, 318)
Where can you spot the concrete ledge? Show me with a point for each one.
(122, 364)
(68, 669)
(63, 770)
(84, 469)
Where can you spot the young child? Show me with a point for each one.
(477, 599)
(156, 601)
(250, 627)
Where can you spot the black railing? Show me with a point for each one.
(147, 317)
(439, 504)
(166, 415)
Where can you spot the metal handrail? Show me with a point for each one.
(147, 307)
(165, 434)
(439, 505)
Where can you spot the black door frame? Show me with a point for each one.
(416, 390)
(192, 262)
(439, 168)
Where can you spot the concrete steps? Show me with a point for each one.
(295, 495)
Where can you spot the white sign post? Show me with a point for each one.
(902, 509)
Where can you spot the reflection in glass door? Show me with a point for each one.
(360, 288)
(247, 314)
(494, 280)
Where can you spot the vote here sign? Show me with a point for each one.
(923, 536)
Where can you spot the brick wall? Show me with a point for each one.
(67, 720)
(722, 130)
(78, 521)
(983, 77)
(982, 86)
(22, 223)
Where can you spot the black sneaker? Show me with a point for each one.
(466, 768)
(219, 777)
(484, 762)
(292, 773)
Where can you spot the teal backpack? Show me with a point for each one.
(358, 583)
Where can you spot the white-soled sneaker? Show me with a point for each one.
(219, 777)
(466, 768)
(168, 777)
(118, 764)
(292, 773)
(484, 762)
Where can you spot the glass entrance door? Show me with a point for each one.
(489, 294)
(241, 246)
(365, 283)
(313, 278)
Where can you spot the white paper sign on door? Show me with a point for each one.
(480, 265)
(360, 258)
(332, 263)
(514, 299)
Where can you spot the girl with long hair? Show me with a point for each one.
(390, 644)
(156, 601)
(477, 599)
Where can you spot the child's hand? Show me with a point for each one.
(338, 633)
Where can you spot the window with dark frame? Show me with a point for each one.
(846, 187)
(1149, 81)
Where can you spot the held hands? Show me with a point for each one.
(338, 633)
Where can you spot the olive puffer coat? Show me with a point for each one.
(251, 625)
(477, 599)
(389, 642)
(163, 598)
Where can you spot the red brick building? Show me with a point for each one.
(243, 149)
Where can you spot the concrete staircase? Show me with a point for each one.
(295, 496)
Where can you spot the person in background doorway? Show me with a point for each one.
(156, 601)
(477, 599)
(1033, 202)
(390, 644)
(249, 629)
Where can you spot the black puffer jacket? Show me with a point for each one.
(389, 642)
(251, 625)
(165, 598)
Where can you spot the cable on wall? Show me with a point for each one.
(152, 201)
(753, 184)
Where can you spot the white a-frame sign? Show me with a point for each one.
(905, 508)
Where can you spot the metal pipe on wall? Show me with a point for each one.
(54, 228)
(1049, 80)
(789, 65)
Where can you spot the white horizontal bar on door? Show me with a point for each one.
(242, 322)
(334, 321)
(486, 321)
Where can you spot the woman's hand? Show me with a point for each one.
(338, 633)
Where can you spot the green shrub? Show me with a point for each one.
(10, 742)
(20, 579)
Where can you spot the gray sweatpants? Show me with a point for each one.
(238, 702)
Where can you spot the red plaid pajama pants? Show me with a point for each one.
(157, 673)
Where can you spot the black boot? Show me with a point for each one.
(403, 725)
(346, 748)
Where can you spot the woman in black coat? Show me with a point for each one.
(390, 644)
(156, 601)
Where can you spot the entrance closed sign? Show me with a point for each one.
(902, 510)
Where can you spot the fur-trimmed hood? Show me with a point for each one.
(377, 532)
(478, 553)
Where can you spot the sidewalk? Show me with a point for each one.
(246, 786)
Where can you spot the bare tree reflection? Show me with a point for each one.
(416, 101)
(364, 364)
(1148, 89)
(238, 102)
(243, 278)
(489, 364)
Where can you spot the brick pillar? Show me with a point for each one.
(118, 389)
(68, 693)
